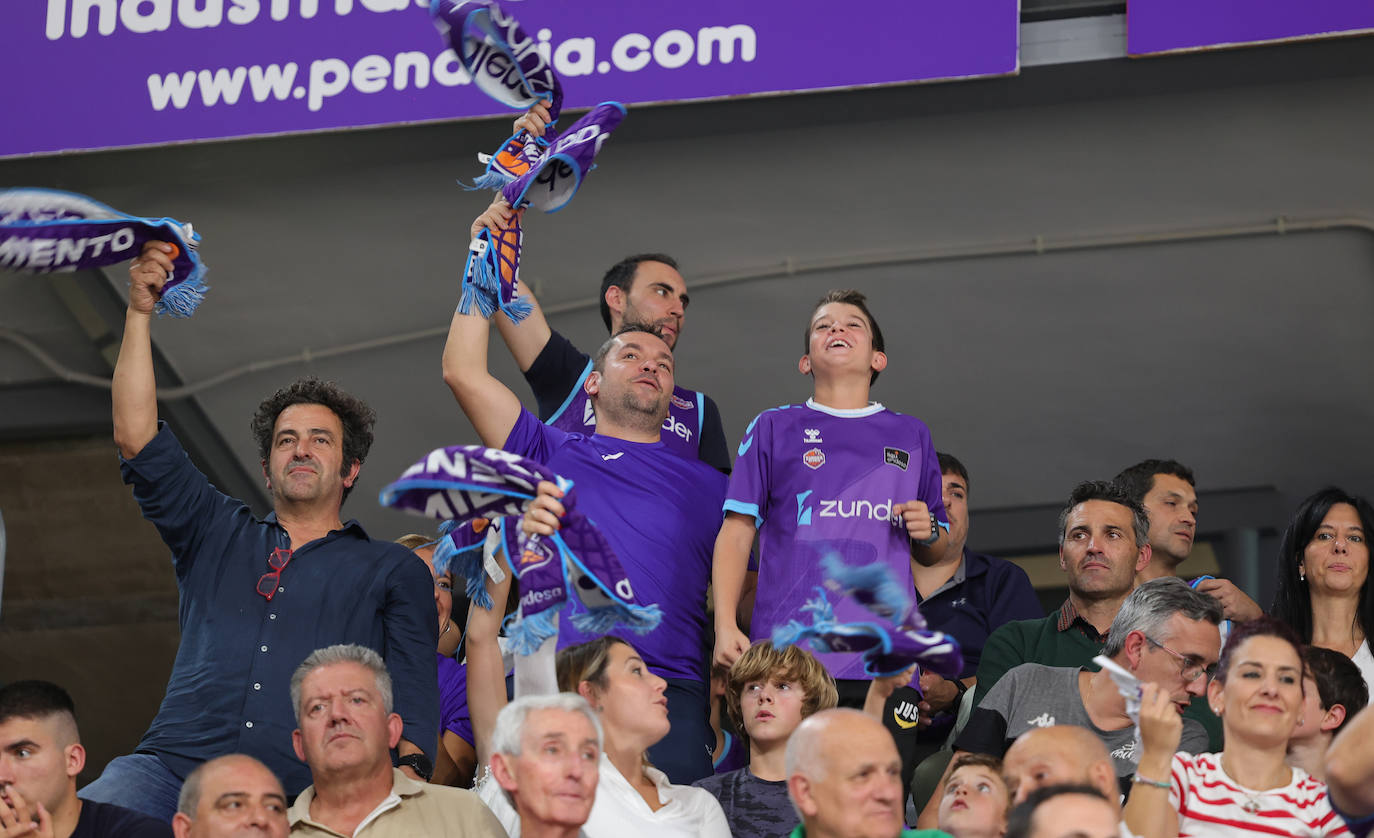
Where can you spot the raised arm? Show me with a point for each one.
(486, 673)
(134, 390)
(490, 405)
(1149, 812)
(1350, 767)
(729, 563)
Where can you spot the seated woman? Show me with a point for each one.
(1249, 788)
(632, 797)
(1323, 590)
(768, 692)
(975, 799)
(456, 757)
(1333, 692)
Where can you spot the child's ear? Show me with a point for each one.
(879, 361)
(804, 365)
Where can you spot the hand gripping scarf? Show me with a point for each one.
(897, 640)
(463, 483)
(47, 230)
(542, 172)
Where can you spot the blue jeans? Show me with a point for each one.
(685, 753)
(140, 782)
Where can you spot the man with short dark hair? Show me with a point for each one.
(258, 595)
(1165, 634)
(644, 288)
(40, 756)
(1103, 544)
(231, 796)
(342, 697)
(1167, 491)
(659, 511)
(967, 595)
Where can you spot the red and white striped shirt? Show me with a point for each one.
(1212, 805)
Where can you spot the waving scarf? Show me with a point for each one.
(461, 484)
(47, 230)
(898, 639)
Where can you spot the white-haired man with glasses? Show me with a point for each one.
(1165, 633)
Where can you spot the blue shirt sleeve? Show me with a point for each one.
(412, 634)
(178, 499)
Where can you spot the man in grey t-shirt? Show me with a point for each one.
(1165, 633)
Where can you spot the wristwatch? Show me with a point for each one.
(419, 763)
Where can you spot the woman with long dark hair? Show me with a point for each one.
(1323, 590)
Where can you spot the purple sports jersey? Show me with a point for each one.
(660, 512)
(681, 430)
(818, 481)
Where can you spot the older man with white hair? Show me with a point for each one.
(845, 778)
(545, 753)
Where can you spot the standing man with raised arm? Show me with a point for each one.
(259, 595)
(645, 288)
(659, 511)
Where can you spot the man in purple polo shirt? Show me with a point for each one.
(645, 288)
(658, 510)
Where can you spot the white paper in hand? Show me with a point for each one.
(1126, 684)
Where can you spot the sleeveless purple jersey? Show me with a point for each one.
(681, 430)
(821, 481)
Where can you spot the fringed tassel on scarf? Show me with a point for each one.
(525, 634)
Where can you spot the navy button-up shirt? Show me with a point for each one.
(230, 686)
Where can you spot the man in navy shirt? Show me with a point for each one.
(658, 510)
(966, 595)
(259, 595)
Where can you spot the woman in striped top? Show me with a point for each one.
(1248, 788)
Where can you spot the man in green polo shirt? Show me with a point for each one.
(1103, 542)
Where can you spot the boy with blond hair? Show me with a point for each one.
(768, 694)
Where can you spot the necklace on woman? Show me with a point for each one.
(1254, 797)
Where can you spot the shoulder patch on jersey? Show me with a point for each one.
(681, 403)
(897, 457)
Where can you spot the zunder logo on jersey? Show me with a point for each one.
(896, 457)
(814, 459)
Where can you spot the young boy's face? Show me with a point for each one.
(1313, 713)
(841, 341)
(771, 709)
(974, 802)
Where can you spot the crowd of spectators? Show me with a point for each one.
(331, 684)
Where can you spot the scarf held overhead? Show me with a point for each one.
(49, 231)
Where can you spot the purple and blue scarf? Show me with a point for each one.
(888, 646)
(461, 484)
(47, 231)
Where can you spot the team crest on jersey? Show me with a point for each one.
(681, 403)
(588, 414)
(897, 457)
(811, 436)
(814, 459)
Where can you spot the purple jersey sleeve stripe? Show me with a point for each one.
(750, 509)
(572, 394)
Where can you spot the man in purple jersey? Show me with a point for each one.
(659, 511)
(645, 288)
(837, 476)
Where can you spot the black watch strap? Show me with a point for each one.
(419, 763)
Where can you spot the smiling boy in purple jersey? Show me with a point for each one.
(837, 476)
(658, 510)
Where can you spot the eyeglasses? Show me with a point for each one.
(267, 584)
(1190, 667)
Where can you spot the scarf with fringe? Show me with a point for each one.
(48, 230)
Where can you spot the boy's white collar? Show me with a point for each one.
(846, 413)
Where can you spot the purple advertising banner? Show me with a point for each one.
(87, 74)
(1154, 26)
